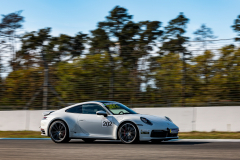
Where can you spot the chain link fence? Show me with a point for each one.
(210, 76)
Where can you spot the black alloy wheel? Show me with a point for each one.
(58, 132)
(128, 133)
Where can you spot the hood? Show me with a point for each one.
(160, 121)
(149, 117)
(154, 118)
(157, 121)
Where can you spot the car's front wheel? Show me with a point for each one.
(58, 132)
(128, 133)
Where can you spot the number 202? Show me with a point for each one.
(105, 123)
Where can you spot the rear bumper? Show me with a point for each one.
(44, 128)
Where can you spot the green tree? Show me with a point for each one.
(236, 27)
(201, 73)
(9, 26)
(65, 47)
(204, 33)
(173, 39)
(131, 41)
(20, 85)
(167, 79)
(86, 78)
(51, 49)
(100, 43)
(227, 77)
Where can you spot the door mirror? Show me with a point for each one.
(103, 113)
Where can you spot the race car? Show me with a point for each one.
(105, 120)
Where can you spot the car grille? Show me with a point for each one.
(160, 133)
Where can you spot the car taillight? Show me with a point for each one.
(44, 118)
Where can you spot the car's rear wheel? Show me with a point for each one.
(128, 133)
(58, 132)
(88, 140)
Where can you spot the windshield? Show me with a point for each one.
(118, 108)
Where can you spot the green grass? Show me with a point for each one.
(209, 135)
(182, 135)
(21, 134)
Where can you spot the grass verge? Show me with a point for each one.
(182, 135)
(209, 135)
(21, 134)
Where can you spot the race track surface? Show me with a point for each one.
(77, 149)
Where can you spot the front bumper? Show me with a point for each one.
(147, 132)
(157, 134)
(165, 135)
(162, 133)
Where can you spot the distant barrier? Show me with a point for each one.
(188, 119)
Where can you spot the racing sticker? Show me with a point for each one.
(145, 131)
(107, 122)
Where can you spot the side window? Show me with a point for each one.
(91, 108)
(76, 109)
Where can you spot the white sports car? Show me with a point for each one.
(106, 120)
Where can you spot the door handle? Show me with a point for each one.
(81, 120)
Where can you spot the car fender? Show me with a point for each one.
(124, 121)
(56, 119)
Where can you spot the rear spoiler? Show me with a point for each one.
(47, 113)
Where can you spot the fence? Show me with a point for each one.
(208, 77)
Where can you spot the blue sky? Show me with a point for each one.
(72, 16)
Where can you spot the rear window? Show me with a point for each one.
(91, 108)
(75, 109)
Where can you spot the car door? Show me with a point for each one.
(93, 125)
(71, 117)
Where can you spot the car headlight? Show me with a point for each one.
(168, 119)
(145, 120)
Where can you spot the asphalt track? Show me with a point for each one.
(77, 149)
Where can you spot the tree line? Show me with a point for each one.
(131, 62)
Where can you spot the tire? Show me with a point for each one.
(58, 132)
(128, 133)
(156, 141)
(88, 140)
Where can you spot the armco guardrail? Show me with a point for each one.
(188, 119)
(200, 118)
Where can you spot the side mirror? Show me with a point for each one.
(103, 113)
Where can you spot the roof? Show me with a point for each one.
(103, 101)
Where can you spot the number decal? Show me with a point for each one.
(106, 123)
